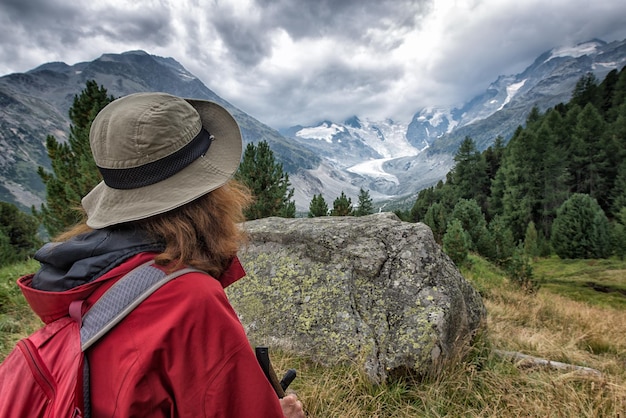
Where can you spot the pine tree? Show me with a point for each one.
(469, 175)
(268, 182)
(587, 91)
(607, 91)
(425, 198)
(618, 234)
(473, 221)
(456, 242)
(520, 271)
(618, 240)
(74, 172)
(365, 206)
(618, 99)
(318, 206)
(515, 190)
(437, 219)
(18, 234)
(581, 229)
(531, 243)
(493, 157)
(501, 245)
(619, 190)
(589, 155)
(552, 174)
(342, 206)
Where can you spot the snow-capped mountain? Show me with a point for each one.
(548, 81)
(356, 154)
(393, 161)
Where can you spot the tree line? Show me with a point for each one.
(558, 186)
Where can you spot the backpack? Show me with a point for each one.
(46, 374)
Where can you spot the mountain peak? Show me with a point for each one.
(353, 122)
(135, 52)
(585, 48)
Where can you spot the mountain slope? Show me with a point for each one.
(548, 81)
(36, 104)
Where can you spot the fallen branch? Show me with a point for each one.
(530, 361)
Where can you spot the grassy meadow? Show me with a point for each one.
(576, 317)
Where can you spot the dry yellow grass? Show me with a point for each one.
(482, 383)
(486, 384)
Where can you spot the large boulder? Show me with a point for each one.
(372, 289)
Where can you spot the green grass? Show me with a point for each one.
(596, 282)
(564, 320)
(16, 318)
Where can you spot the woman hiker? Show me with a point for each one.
(167, 196)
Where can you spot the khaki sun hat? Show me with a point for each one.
(157, 152)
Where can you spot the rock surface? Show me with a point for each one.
(371, 289)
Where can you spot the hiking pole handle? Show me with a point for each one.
(262, 355)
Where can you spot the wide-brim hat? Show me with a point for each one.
(157, 152)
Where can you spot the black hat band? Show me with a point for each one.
(159, 170)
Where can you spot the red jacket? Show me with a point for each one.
(181, 353)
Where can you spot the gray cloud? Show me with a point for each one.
(290, 62)
(344, 19)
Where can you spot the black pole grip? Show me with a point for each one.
(262, 355)
(288, 378)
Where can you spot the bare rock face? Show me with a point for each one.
(371, 289)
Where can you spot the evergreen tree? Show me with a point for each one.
(618, 234)
(342, 206)
(618, 239)
(519, 182)
(456, 242)
(552, 175)
(587, 91)
(500, 245)
(618, 99)
(473, 222)
(533, 118)
(618, 194)
(7, 252)
(520, 271)
(18, 234)
(365, 206)
(318, 206)
(497, 192)
(469, 175)
(607, 91)
(425, 198)
(588, 155)
(268, 182)
(437, 219)
(531, 243)
(493, 158)
(581, 229)
(74, 172)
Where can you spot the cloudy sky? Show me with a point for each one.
(289, 62)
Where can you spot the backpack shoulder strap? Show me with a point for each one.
(121, 298)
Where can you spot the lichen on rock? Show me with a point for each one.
(370, 289)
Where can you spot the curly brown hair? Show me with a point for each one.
(205, 233)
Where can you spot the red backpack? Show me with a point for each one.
(46, 374)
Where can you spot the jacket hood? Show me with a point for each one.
(82, 266)
(84, 258)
